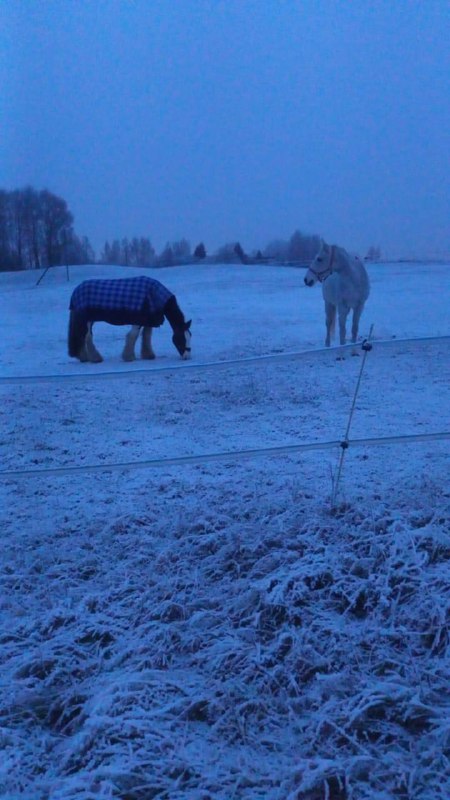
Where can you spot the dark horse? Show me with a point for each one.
(141, 302)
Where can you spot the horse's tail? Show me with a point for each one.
(78, 329)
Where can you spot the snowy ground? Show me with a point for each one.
(217, 630)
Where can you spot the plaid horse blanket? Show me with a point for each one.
(123, 301)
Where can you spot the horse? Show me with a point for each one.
(345, 286)
(141, 302)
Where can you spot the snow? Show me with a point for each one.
(218, 630)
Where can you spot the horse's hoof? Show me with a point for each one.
(128, 357)
(148, 356)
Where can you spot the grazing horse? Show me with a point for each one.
(345, 285)
(141, 302)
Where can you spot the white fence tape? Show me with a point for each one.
(236, 455)
(136, 373)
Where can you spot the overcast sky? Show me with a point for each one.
(226, 120)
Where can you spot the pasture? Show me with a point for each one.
(216, 631)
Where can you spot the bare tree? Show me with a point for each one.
(57, 222)
(181, 250)
(166, 257)
(373, 254)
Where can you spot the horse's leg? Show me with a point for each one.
(146, 345)
(357, 311)
(343, 314)
(330, 318)
(90, 349)
(128, 353)
(83, 356)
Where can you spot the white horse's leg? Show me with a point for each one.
(130, 340)
(343, 314)
(90, 349)
(146, 345)
(330, 319)
(357, 311)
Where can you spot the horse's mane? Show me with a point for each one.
(174, 313)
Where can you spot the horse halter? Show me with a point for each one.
(187, 348)
(325, 273)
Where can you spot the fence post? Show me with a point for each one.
(42, 276)
(366, 347)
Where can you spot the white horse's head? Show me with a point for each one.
(322, 266)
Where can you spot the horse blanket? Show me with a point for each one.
(122, 301)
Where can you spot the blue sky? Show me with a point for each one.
(237, 120)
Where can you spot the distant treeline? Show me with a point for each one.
(37, 230)
(140, 252)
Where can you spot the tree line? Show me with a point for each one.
(37, 230)
(139, 252)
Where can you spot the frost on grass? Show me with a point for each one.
(258, 649)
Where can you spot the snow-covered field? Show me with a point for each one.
(217, 630)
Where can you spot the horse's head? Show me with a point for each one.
(182, 339)
(322, 266)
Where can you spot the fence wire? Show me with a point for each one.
(193, 366)
(234, 455)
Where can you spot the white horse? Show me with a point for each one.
(345, 286)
